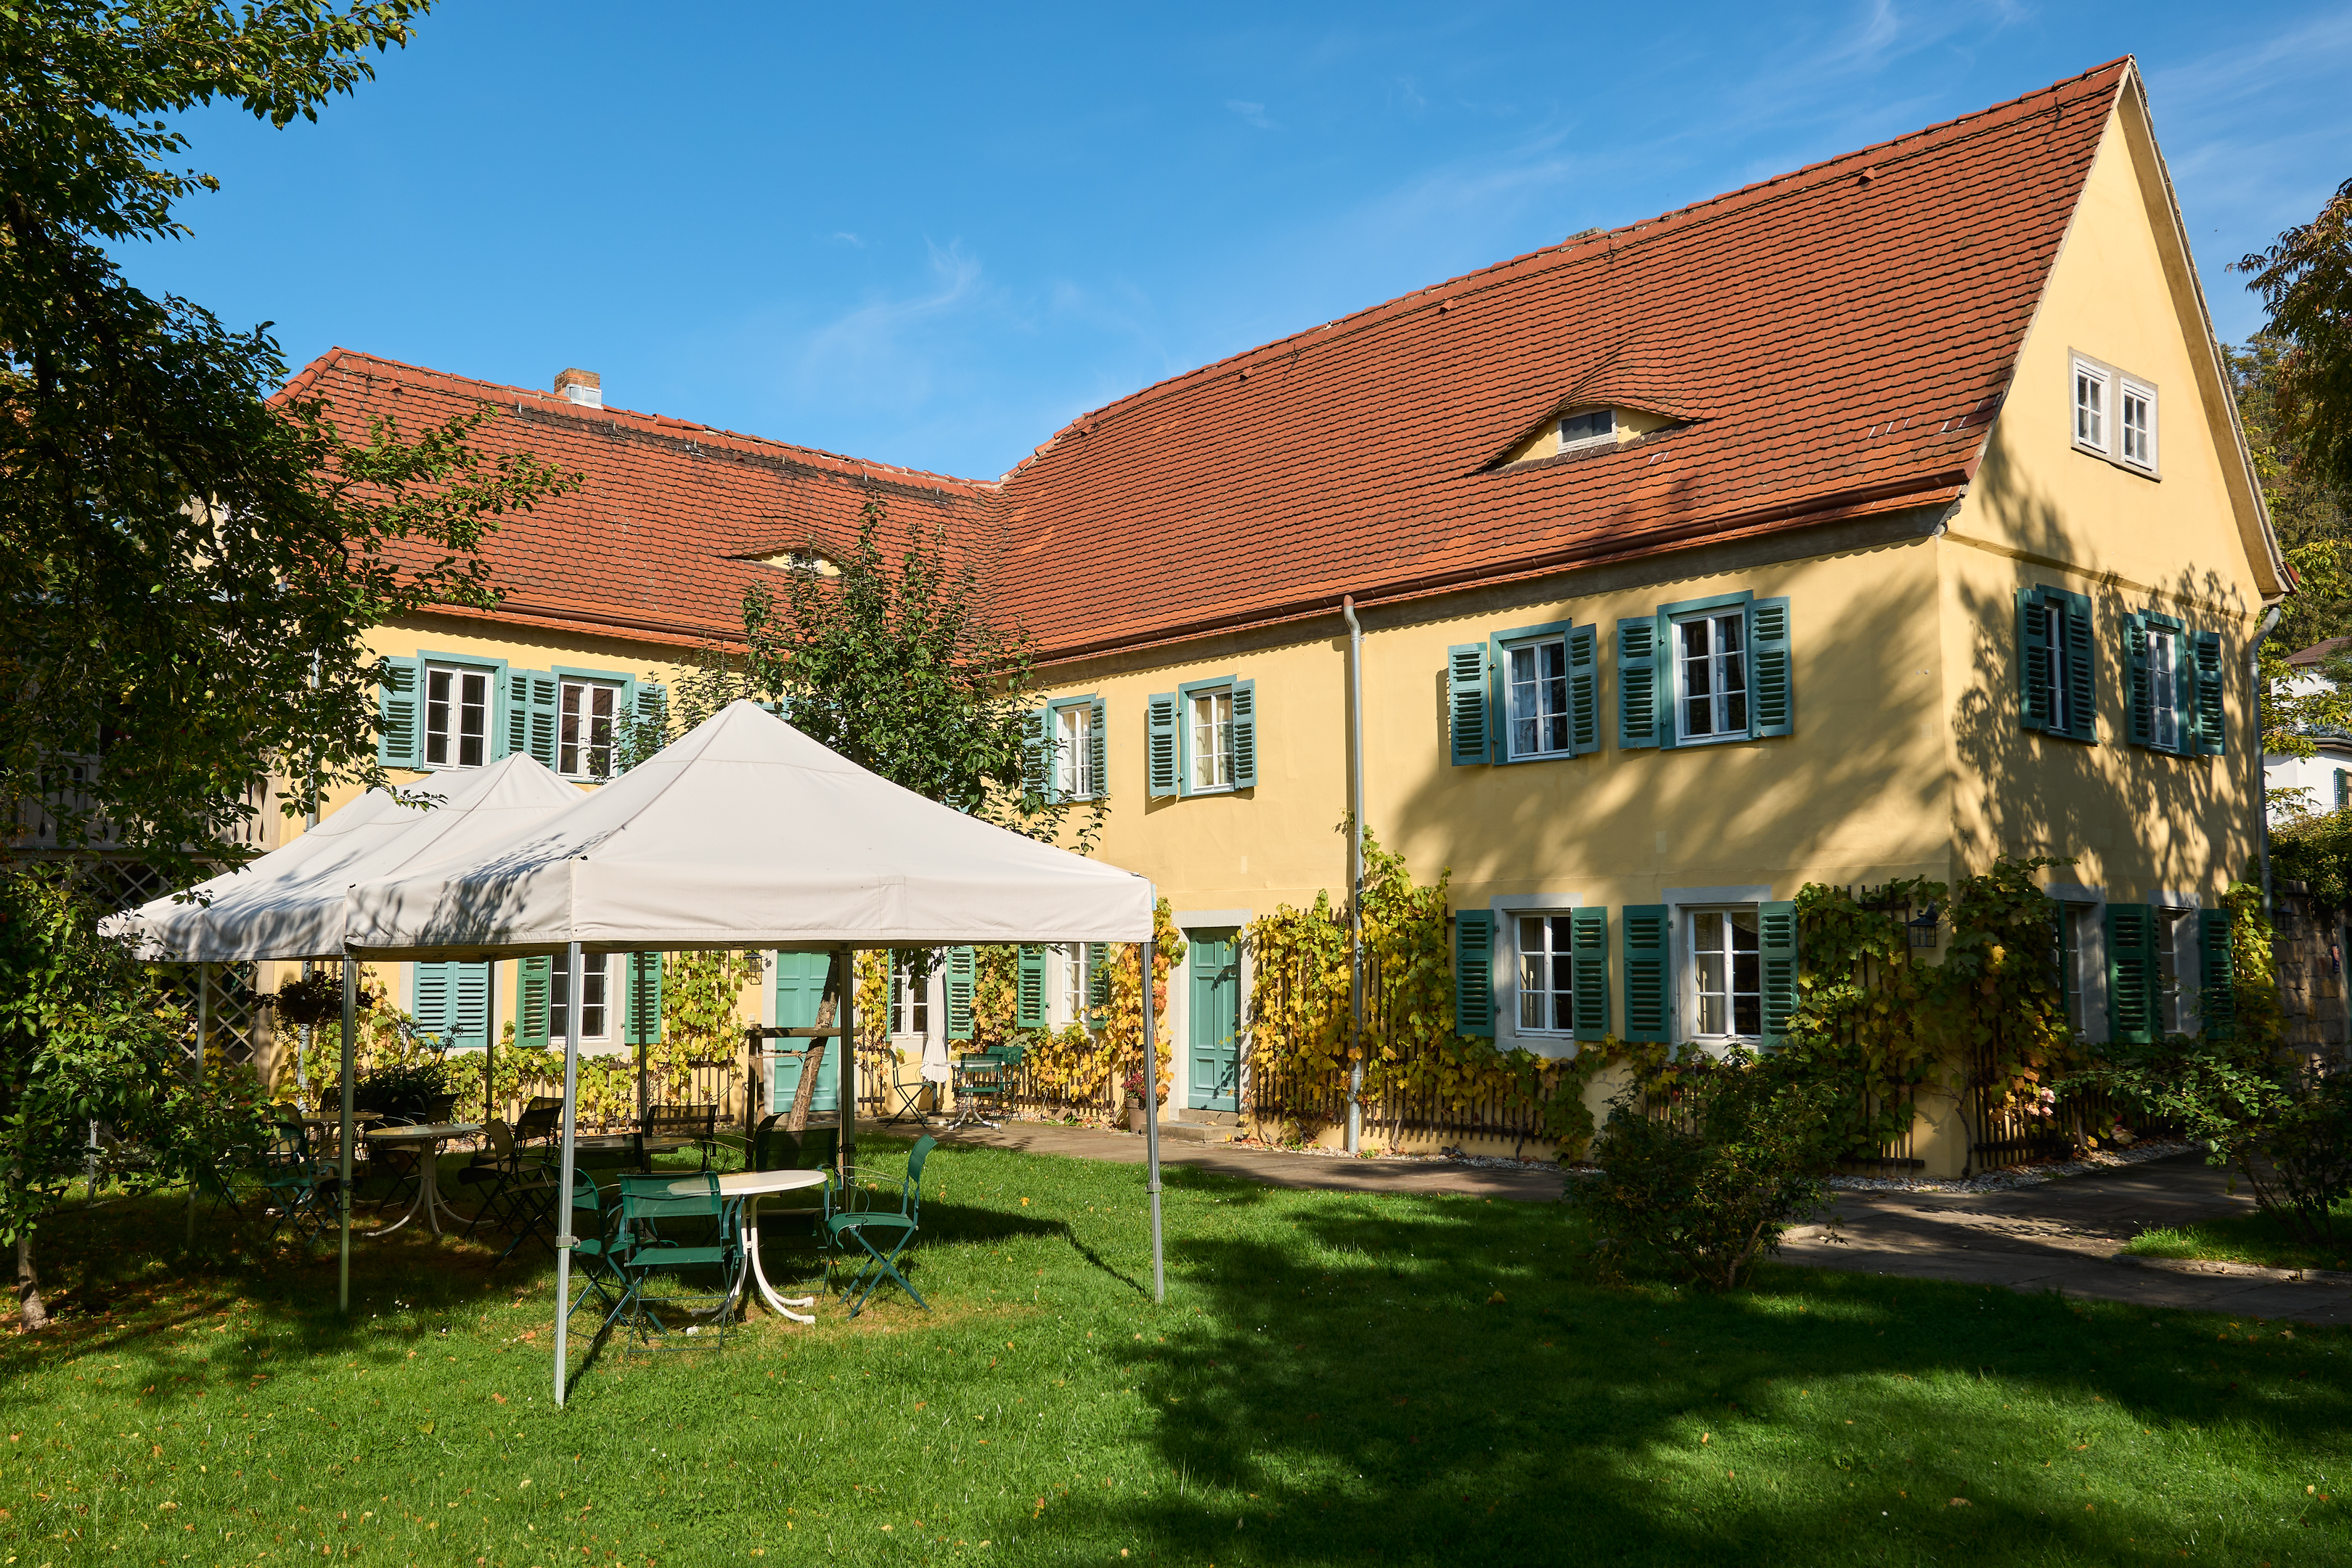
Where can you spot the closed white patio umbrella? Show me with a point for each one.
(746, 834)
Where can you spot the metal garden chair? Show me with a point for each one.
(868, 1207)
(299, 1190)
(592, 1247)
(657, 1212)
(502, 1167)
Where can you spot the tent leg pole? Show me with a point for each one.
(845, 1015)
(196, 1073)
(489, 1045)
(1151, 1119)
(343, 1187)
(576, 994)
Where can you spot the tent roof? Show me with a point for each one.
(289, 903)
(747, 834)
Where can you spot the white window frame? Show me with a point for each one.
(2090, 403)
(2088, 904)
(2164, 649)
(1686, 963)
(2179, 961)
(1556, 720)
(2057, 697)
(1074, 756)
(597, 1003)
(1557, 960)
(1219, 757)
(2119, 422)
(571, 766)
(910, 1011)
(1066, 984)
(1589, 439)
(1717, 699)
(2137, 444)
(455, 739)
(2077, 944)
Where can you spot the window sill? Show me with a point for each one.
(2155, 476)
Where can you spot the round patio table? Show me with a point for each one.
(744, 1189)
(426, 1141)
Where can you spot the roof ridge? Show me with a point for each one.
(1587, 240)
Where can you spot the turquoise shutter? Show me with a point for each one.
(533, 976)
(1097, 985)
(399, 714)
(959, 993)
(2133, 1010)
(796, 988)
(2142, 727)
(469, 1005)
(1776, 929)
(2033, 661)
(1583, 691)
(1466, 698)
(1245, 734)
(1098, 747)
(1772, 700)
(2082, 678)
(428, 998)
(1637, 686)
(531, 704)
(1587, 932)
(1037, 753)
(1648, 973)
(648, 721)
(1029, 1009)
(643, 1021)
(2205, 666)
(2218, 1006)
(1163, 774)
(1474, 974)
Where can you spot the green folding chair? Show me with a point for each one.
(592, 1249)
(299, 1191)
(674, 1225)
(867, 1207)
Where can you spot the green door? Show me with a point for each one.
(795, 987)
(1216, 960)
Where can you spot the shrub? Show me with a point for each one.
(402, 1088)
(1700, 1169)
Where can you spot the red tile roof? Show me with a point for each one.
(1837, 341)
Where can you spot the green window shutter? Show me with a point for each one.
(1465, 701)
(961, 968)
(2142, 726)
(2218, 1006)
(1098, 747)
(1474, 974)
(429, 999)
(1649, 973)
(1030, 1011)
(530, 714)
(1163, 768)
(2081, 668)
(2132, 1006)
(1588, 934)
(2206, 667)
(1097, 985)
(647, 721)
(469, 1005)
(533, 976)
(1772, 700)
(643, 1021)
(1637, 686)
(1037, 749)
(1245, 734)
(1776, 928)
(399, 714)
(2033, 661)
(1583, 691)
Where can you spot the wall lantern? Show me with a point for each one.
(1922, 929)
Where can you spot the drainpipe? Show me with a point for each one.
(1355, 875)
(2262, 772)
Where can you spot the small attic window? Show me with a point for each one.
(807, 563)
(1593, 427)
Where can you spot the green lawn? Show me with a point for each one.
(2249, 1238)
(1333, 1378)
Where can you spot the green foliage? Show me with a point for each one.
(702, 1006)
(2258, 1018)
(405, 1088)
(1865, 1019)
(2316, 848)
(2305, 282)
(186, 566)
(1702, 1172)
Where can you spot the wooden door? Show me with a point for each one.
(1215, 960)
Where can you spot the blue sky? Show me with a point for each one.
(929, 237)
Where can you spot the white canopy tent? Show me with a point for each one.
(746, 834)
(291, 903)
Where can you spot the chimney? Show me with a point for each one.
(580, 386)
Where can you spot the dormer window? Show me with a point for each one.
(1593, 427)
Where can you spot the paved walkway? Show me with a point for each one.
(2065, 1236)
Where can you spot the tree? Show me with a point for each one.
(2305, 282)
(186, 566)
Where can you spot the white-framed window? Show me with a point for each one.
(1536, 688)
(1710, 654)
(1592, 428)
(2113, 414)
(1724, 958)
(456, 716)
(2164, 666)
(593, 995)
(1546, 974)
(2092, 385)
(2177, 1002)
(910, 1003)
(2057, 668)
(2076, 922)
(585, 728)
(1209, 719)
(1071, 1003)
(1074, 752)
(2135, 421)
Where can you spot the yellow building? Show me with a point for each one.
(1865, 524)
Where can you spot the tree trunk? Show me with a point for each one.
(31, 1312)
(828, 1008)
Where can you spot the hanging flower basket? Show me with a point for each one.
(318, 1000)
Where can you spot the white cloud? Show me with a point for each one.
(1251, 113)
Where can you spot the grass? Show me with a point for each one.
(2258, 1237)
(1333, 1378)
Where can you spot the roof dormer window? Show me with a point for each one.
(1592, 428)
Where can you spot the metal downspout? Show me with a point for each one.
(1355, 876)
